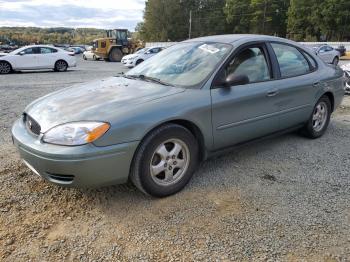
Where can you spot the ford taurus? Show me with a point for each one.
(156, 123)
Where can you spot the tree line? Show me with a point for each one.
(34, 35)
(301, 20)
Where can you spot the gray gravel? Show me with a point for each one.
(283, 199)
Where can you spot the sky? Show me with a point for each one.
(105, 14)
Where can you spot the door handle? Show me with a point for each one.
(272, 93)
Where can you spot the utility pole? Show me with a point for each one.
(263, 26)
(190, 29)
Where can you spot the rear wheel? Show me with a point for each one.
(319, 120)
(61, 66)
(115, 55)
(5, 67)
(335, 61)
(84, 57)
(94, 58)
(165, 161)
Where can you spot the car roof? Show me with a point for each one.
(229, 39)
(30, 46)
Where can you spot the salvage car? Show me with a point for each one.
(37, 57)
(154, 124)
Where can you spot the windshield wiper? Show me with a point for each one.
(149, 78)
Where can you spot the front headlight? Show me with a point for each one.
(75, 133)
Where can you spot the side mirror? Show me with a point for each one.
(235, 80)
(22, 53)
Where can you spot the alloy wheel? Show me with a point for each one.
(5, 68)
(61, 66)
(319, 117)
(169, 162)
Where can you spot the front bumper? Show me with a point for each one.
(78, 166)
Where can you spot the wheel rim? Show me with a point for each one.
(5, 68)
(169, 162)
(61, 66)
(319, 117)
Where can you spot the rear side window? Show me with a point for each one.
(291, 61)
(47, 50)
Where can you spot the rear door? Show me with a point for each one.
(297, 83)
(47, 57)
(244, 112)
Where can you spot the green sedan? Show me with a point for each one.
(156, 123)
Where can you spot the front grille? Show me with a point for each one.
(31, 124)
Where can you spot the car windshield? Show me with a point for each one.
(186, 64)
(141, 51)
(14, 52)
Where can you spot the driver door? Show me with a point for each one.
(246, 111)
(28, 58)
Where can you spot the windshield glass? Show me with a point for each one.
(184, 64)
(141, 51)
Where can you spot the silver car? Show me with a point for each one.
(156, 123)
(327, 53)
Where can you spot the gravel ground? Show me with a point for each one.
(283, 199)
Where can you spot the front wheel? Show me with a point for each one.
(165, 161)
(319, 120)
(5, 67)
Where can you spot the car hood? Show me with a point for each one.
(3, 54)
(100, 100)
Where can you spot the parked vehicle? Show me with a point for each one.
(117, 44)
(346, 69)
(327, 53)
(90, 55)
(36, 57)
(75, 50)
(342, 50)
(154, 124)
(140, 56)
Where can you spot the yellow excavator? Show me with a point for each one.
(115, 45)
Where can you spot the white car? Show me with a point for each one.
(90, 55)
(37, 57)
(140, 56)
(327, 53)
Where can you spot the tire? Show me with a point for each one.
(61, 66)
(5, 68)
(314, 130)
(170, 173)
(139, 62)
(84, 57)
(115, 55)
(335, 61)
(94, 58)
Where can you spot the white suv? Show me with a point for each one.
(140, 56)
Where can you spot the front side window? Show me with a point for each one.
(186, 64)
(290, 60)
(250, 62)
(29, 51)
